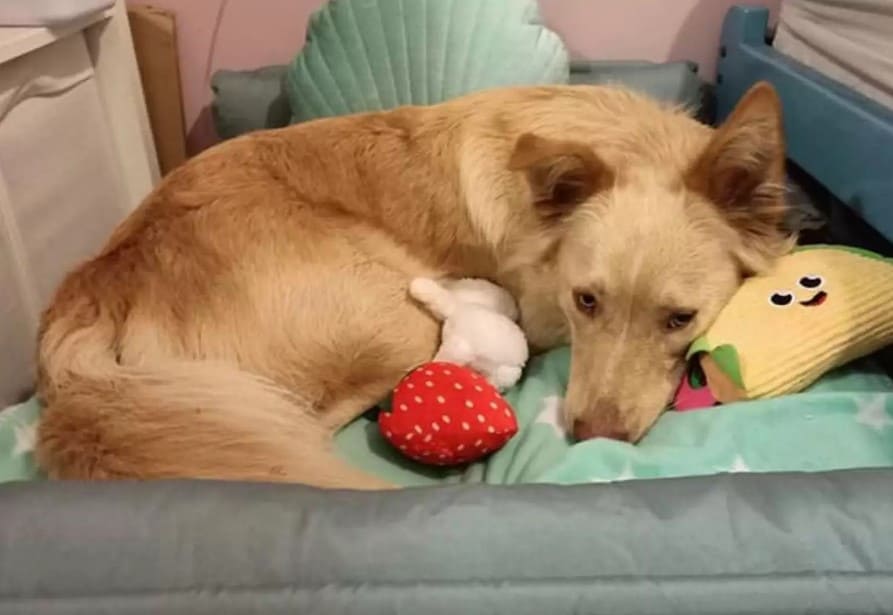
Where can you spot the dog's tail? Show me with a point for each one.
(434, 296)
(172, 419)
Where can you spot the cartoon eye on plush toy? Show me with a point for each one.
(819, 308)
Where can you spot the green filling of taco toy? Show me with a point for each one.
(726, 357)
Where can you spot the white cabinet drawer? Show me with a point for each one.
(62, 181)
(76, 156)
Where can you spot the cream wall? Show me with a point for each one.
(251, 33)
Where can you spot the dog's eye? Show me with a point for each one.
(585, 302)
(781, 298)
(680, 320)
(811, 282)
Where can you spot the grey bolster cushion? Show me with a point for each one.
(779, 543)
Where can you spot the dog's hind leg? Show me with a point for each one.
(350, 334)
(250, 383)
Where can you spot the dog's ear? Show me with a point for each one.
(561, 174)
(741, 171)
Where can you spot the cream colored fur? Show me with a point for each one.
(257, 301)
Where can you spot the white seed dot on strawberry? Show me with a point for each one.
(418, 429)
(460, 448)
(417, 399)
(490, 429)
(410, 385)
(493, 405)
(435, 426)
(429, 384)
(507, 412)
(428, 372)
(440, 399)
(404, 407)
(402, 447)
(457, 386)
(481, 418)
(448, 372)
(445, 419)
(388, 434)
(469, 403)
(478, 443)
(428, 438)
(409, 436)
(478, 388)
(465, 426)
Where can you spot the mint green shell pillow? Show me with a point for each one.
(369, 55)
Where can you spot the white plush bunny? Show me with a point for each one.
(479, 328)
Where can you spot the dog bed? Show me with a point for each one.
(844, 421)
(773, 544)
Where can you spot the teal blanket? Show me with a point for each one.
(844, 421)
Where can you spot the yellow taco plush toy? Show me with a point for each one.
(819, 308)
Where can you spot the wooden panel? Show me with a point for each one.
(154, 39)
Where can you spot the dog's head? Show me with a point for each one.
(650, 253)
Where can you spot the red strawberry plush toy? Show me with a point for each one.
(445, 414)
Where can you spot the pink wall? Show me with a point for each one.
(656, 30)
(251, 34)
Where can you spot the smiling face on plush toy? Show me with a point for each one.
(813, 295)
(810, 286)
(805, 289)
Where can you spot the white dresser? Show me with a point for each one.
(76, 155)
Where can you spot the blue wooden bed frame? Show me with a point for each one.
(841, 138)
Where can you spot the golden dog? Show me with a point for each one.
(257, 300)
